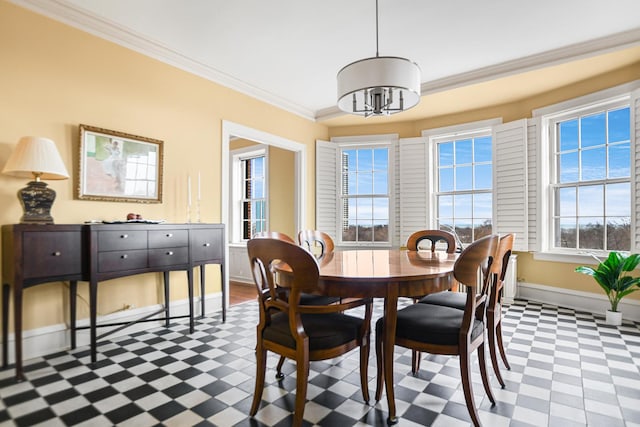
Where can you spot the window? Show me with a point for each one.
(591, 179)
(464, 184)
(364, 196)
(249, 190)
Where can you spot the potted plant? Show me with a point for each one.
(612, 277)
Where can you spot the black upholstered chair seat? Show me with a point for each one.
(324, 330)
(446, 298)
(431, 324)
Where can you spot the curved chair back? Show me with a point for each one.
(434, 236)
(473, 259)
(316, 242)
(273, 235)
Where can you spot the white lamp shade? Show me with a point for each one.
(36, 155)
(379, 72)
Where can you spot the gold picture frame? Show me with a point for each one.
(119, 167)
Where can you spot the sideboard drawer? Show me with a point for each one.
(207, 244)
(122, 240)
(168, 238)
(122, 260)
(168, 256)
(52, 253)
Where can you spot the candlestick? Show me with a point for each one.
(188, 190)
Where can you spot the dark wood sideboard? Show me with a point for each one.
(36, 254)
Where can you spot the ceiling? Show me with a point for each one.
(288, 52)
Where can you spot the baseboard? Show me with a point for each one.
(51, 339)
(577, 300)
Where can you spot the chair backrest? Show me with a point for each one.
(434, 236)
(499, 267)
(273, 235)
(316, 242)
(470, 265)
(269, 257)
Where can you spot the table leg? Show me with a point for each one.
(390, 316)
(202, 291)
(190, 286)
(224, 294)
(166, 298)
(93, 313)
(73, 290)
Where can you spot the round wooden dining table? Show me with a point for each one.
(388, 274)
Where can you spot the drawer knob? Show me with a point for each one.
(169, 252)
(124, 236)
(57, 253)
(169, 234)
(124, 256)
(206, 245)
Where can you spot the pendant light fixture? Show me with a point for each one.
(381, 85)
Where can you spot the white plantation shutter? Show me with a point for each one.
(413, 195)
(510, 195)
(533, 163)
(635, 170)
(327, 188)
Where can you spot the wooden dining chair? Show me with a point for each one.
(492, 288)
(445, 330)
(300, 332)
(433, 236)
(317, 242)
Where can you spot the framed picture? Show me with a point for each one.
(118, 167)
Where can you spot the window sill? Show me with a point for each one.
(570, 258)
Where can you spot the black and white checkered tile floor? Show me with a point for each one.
(568, 369)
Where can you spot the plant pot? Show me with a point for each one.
(614, 318)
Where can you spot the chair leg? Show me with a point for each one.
(491, 336)
(465, 373)
(416, 356)
(261, 367)
(279, 374)
(364, 368)
(483, 374)
(380, 364)
(302, 374)
(503, 354)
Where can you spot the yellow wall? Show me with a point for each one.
(54, 77)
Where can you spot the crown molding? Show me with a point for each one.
(84, 20)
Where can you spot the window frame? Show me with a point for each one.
(367, 142)
(237, 188)
(545, 249)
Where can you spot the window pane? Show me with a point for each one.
(380, 210)
(365, 209)
(591, 201)
(481, 228)
(566, 202)
(619, 160)
(464, 231)
(618, 197)
(365, 160)
(591, 233)
(445, 182)
(483, 178)
(463, 178)
(568, 167)
(350, 184)
(445, 154)
(593, 130)
(463, 151)
(365, 232)
(380, 159)
(618, 234)
(381, 233)
(566, 233)
(258, 188)
(445, 206)
(619, 125)
(365, 183)
(568, 135)
(482, 206)
(593, 164)
(482, 149)
(380, 180)
(462, 207)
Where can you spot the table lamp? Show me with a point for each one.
(38, 158)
